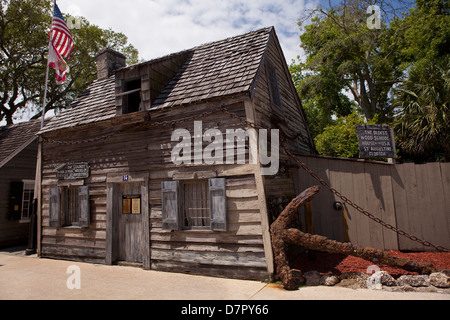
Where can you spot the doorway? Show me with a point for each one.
(128, 224)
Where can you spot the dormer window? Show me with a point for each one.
(132, 90)
(132, 97)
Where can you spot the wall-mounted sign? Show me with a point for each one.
(73, 171)
(375, 141)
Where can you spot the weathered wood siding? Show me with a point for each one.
(238, 252)
(413, 198)
(139, 149)
(22, 167)
(289, 118)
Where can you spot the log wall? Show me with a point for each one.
(143, 150)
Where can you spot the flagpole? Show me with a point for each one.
(46, 78)
(34, 234)
(45, 93)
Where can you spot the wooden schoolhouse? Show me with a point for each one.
(113, 192)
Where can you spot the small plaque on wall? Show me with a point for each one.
(131, 204)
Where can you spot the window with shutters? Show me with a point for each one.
(69, 207)
(196, 211)
(195, 204)
(72, 210)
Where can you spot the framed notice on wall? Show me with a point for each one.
(375, 141)
(131, 204)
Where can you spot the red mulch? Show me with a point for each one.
(330, 263)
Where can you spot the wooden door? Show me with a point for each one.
(128, 223)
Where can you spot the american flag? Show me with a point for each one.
(61, 45)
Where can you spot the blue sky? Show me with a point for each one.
(160, 27)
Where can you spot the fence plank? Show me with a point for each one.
(335, 217)
(323, 222)
(401, 204)
(359, 197)
(414, 198)
(414, 210)
(350, 227)
(445, 173)
(374, 204)
(438, 231)
(388, 209)
(425, 217)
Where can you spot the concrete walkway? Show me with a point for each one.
(31, 278)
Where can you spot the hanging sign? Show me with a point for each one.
(73, 171)
(375, 141)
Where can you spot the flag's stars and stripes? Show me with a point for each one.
(61, 45)
(60, 34)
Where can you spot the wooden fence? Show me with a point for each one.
(413, 198)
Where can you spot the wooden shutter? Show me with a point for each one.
(55, 207)
(218, 204)
(170, 205)
(84, 207)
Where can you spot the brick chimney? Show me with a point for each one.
(108, 61)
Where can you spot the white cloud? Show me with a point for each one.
(160, 27)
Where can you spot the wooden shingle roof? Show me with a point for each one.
(213, 70)
(97, 103)
(217, 69)
(15, 138)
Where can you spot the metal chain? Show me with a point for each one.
(112, 134)
(70, 143)
(337, 193)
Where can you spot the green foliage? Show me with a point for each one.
(427, 32)
(339, 139)
(321, 99)
(423, 121)
(24, 27)
(395, 75)
(344, 54)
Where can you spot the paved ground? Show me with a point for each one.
(31, 278)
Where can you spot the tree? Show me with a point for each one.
(23, 57)
(422, 100)
(427, 33)
(344, 54)
(321, 98)
(339, 139)
(423, 121)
